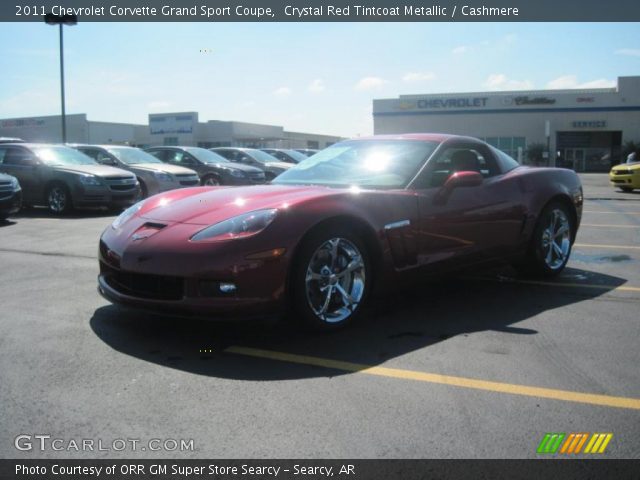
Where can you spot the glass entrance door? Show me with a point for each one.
(574, 158)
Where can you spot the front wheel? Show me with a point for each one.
(331, 279)
(626, 189)
(59, 199)
(551, 242)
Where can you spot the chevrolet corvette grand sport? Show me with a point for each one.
(360, 215)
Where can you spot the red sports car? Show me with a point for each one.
(361, 215)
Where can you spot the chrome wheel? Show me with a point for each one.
(335, 280)
(58, 199)
(211, 182)
(556, 240)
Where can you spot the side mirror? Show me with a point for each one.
(458, 180)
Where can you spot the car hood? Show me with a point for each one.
(627, 166)
(162, 167)
(99, 170)
(206, 206)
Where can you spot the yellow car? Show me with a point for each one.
(625, 176)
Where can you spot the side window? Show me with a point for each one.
(176, 157)
(3, 153)
(91, 152)
(159, 154)
(459, 159)
(16, 156)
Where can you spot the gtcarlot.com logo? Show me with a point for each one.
(574, 443)
(42, 443)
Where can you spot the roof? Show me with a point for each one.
(425, 137)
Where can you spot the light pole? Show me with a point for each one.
(60, 20)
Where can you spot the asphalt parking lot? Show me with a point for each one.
(475, 367)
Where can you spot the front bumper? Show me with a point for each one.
(103, 195)
(626, 180)
(180, 281)
(10, 203)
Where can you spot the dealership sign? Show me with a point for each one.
(22, 122)
(590, 124)
(443, 103)
(163, 124)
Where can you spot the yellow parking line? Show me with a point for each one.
(597, 245)
(608, 226)
(489, 386)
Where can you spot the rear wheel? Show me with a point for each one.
(59, 199)
(551, 242)
(331, 279)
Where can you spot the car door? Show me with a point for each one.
(25, 166)
(467, 223)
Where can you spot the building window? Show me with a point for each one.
(170, 141)
(508, 145)
(313, 144)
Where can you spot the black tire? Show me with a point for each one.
(58, 199)
(339, 282)
(3, 217)
(539, 262)
(211, 181)
(626, 189)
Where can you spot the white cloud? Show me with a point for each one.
(370, 83)
(499, 81)
(413, 77)
(317, 86)
(460, 50)
(631, 52)
(282, 92)
(571, 81)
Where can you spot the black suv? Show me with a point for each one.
(212, 168)
(62, 178)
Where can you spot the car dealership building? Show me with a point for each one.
(182, 128)
(584, 129)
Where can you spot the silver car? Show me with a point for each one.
(154, 176)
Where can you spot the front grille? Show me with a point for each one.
(120, 184)
(189, 183)
(155, 287)
(256, 177)
(622, 172)
(121, 188)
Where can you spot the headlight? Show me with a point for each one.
(15, 185)
(242, 226)
(163, 177)
(90, 180)
(237, 173)
(126, 215)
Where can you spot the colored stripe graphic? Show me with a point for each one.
(573, 443)
(550, 442)
(598, 443)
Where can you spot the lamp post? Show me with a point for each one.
(60, 20)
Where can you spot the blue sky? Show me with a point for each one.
(315, 77)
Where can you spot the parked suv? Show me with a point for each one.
(212, 168)
(256, 158)
(62, 178)
(10, 196)
(153, 175)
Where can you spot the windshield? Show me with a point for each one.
(260, 156)
(361, 163)
(132, 156)
(206, 156)
(297, 156)
(59, 155)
